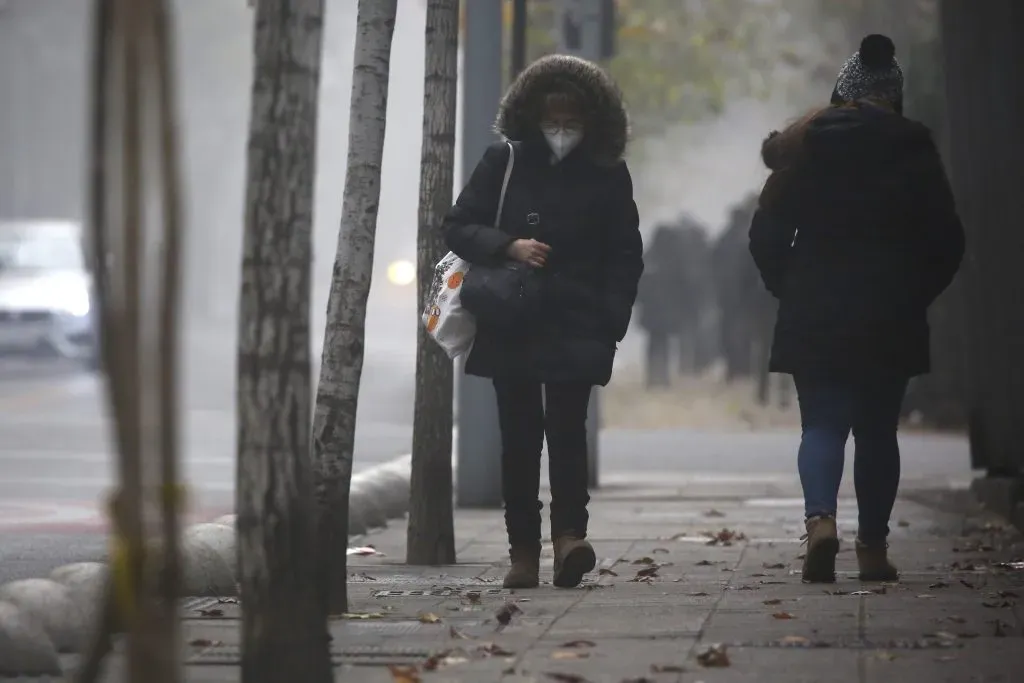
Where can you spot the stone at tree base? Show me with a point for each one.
(391, 484)
(364, 498)
(51, 606)
(25, 648)
(85, 582)
(208, 559)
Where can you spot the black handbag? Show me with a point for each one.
(507, 296)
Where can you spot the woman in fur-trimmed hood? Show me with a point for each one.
(568, 226)
(856, 234)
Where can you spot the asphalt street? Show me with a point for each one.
(56, 460)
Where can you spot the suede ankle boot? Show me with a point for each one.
(574, 557)
(874, 564)
(822, 548)
(525, 569)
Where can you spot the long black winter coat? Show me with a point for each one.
(856, 235)
(582, 207)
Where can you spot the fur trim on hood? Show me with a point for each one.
(607, 131)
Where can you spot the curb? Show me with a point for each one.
(40, 619)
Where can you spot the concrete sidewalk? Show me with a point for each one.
(667, 594)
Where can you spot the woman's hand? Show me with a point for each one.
(531, 252)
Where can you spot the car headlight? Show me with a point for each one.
(72, 300)
(77, 303)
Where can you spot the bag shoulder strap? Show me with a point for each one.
(509, 165)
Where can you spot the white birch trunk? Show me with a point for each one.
(284, 630)
(431, 533)
(334, 422)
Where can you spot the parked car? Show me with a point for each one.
(46, 291)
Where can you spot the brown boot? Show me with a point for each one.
(574, 557)
(873, 560)
(525, 569)
(822, 548)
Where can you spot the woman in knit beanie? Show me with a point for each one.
(856, 234)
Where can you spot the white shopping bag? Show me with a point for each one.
(447, 322)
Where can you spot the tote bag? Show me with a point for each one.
(447, 322)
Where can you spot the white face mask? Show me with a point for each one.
(561, 140)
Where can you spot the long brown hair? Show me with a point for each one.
(783, 150)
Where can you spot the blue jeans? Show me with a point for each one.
(828, 413)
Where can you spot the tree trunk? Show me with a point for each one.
(985, 104)
(284, 633)
(431, 535)
(334, 423)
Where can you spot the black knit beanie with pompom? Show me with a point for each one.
(872, 72)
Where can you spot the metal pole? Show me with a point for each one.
(580, 33)
(478, 449)
(519, 16)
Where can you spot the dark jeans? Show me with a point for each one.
(828, 413)
(525, 417)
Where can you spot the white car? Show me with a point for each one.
(46, 291)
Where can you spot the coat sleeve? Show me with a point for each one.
(939, 232)
(469, 225)
(771, 237)
(624, 258)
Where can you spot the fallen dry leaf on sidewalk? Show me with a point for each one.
(569, 654)
(506, 612)
(457, 634)
(446, 658)
(565, 678)
(774, 565)
(714, 656)
(666, 669)
(714, 513)
(795, 640)
(494, 650)
(724, 537)
(579, 643)
(700, 594)
(773, 601)
(428, 618)
(783, 615)
(606, 572)
(404, 674)
(644, 560)
(203, 642)
(997, 604)
(943, 584)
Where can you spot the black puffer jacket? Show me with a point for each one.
(857, 234)
(583, 207)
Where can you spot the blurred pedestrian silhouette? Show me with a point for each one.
(739, 293)
(661, 314)
(695, 299)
